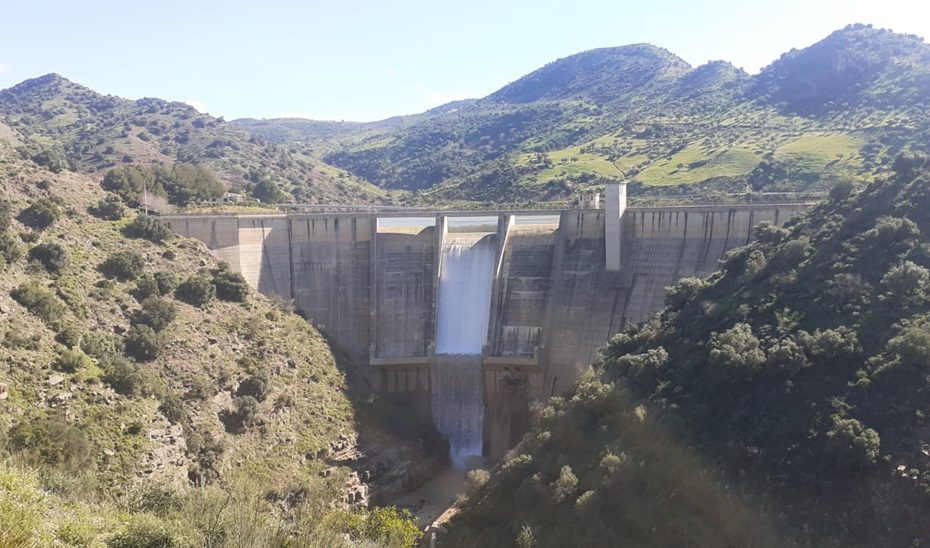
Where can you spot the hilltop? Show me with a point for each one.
(65, 126)
(839, 110)
(780, 401)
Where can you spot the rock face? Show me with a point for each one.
(385, 467)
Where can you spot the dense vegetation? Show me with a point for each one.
(785, 395)
(147, 396)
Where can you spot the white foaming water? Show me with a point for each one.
(464, 297)
(461, 332)
(457, 406)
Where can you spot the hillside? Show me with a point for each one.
(149, 398)
(780, 401)
(63, 125)
(839, 110)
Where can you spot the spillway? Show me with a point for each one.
(463, 310)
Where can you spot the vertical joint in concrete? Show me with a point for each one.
(615, 196)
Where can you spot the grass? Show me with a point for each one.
(822, 150)
(694, 164)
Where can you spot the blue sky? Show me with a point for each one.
(367, 59)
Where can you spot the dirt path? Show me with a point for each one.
(433, 502)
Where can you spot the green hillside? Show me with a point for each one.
(149, 398)
(840, 110)
(781, 401)
(66, 126)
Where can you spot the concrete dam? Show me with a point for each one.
(472, 315)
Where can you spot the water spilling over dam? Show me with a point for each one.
(543, 290)
(465, 281)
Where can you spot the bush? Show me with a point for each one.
(68, 335)
(39, 301)
(52, 442)
(736, 351)
(10, 250)
(230, 286)
(123, 265)
(148, 228)
(686, 289)
(109, 208)
(72, 361)
(851, 444)
(53, 256)
(102, 347)
(41, 214)
(6, 215)
(196, 290)
(146, 286)
(156, 313)
(173, 408)
(167, 282)
(246, 409)
(128, 378)
(144, 343)
(22, 507)
(254, 386)
(148, 531)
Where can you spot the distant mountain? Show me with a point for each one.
(852, 68)
(600, 76)
(68, 126)
(840, 109)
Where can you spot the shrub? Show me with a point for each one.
(52, 442)
(102, 347)
(68, 335)
(144, 343)
(680, 294)
(254, 386)
(146, 286)
(388, 526)
(53, 256)
(10, 250)
(475, 480)
(565, 486)
(6, 215)
(167, 282)
(148, 228)
(41, 214)
(736, 351)
(148, 531)
(156, 313)
(71, 361)
(786, 357)
(128, 378)
(246, 409)
(39, 301)
(109, 208)
(22, 507)
(906, 284)
(173, 408)
(196, 290)
(230, 286)
(851, 444)
(123, 265)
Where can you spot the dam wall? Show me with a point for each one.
(562, 283)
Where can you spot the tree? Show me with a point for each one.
(156, 313)
(197, 291)
(268, 192)
(230, 286)
(144, 343)
(123, 265)
(149, 228)
(40, 214)
(736, 351)
(109, 208)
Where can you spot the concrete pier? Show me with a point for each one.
(564, 282)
